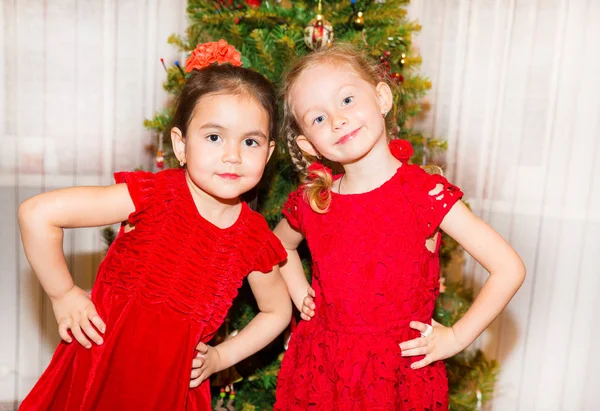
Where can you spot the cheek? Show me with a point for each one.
(256, 162)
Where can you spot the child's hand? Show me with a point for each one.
(308, 305)
(438, 344)
(74, 310)
(205, 364)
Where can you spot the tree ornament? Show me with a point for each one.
(318, 34)
(357, 20)
(402, 60)
(160, 160)
(397, 77)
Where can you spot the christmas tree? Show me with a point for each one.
(269, 35)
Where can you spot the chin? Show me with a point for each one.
(227, 195)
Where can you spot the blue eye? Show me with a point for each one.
(250, 142)
(214, 138)
(319, 120)
(348, 100)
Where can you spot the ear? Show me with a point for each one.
(178, 142)
(271, 149)
(306, 145)
(385, 96)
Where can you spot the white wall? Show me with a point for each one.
(77, 79)
(516, 93)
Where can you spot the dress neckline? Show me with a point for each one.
(188, 195)
(376, 189)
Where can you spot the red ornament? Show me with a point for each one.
(236, 20)
(253, 3)
(160, 160)
(396, 77)
(318, 34)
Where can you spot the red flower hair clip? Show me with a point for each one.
(205, 54)
(401, 149)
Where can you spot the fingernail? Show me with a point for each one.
(412, 366)
(99, 341)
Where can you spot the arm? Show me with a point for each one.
(41, 221)
(488, 248)
(291, 270)
(275, 313)
(507, 273)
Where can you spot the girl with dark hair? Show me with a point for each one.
(186, 243)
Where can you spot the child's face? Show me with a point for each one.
(226, 147)
(339, 112)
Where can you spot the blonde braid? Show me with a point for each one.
(317, 184)
(296, 155)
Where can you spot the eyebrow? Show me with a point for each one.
(254, 133)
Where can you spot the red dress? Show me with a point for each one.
(162, 288)
(372, 275)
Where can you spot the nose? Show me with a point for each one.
(231, 153)
(339, 122)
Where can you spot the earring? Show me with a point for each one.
(318, 156)
(181, 163)
(384, 114)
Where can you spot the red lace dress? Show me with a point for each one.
(161, 289)
(372, 275)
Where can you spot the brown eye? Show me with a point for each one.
(214, 138)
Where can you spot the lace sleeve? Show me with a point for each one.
(432, 196)
(440, 197)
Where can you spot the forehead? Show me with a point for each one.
(326, 74)
(230, 105)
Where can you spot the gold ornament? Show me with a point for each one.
(358, 21)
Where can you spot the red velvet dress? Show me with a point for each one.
(372, 275)
(161, 289)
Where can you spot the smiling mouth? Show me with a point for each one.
(348, 137)
(229, 176)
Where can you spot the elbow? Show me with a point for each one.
(34, 212)
(518, 273)
(27, 210)
(286, 312)
(521, 273)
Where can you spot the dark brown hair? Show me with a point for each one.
(225, 79)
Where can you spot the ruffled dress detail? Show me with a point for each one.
(372, 275)
(162, 288)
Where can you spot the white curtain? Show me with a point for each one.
(77, 79)
(516, 93)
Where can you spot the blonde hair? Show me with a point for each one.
(318, 183)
